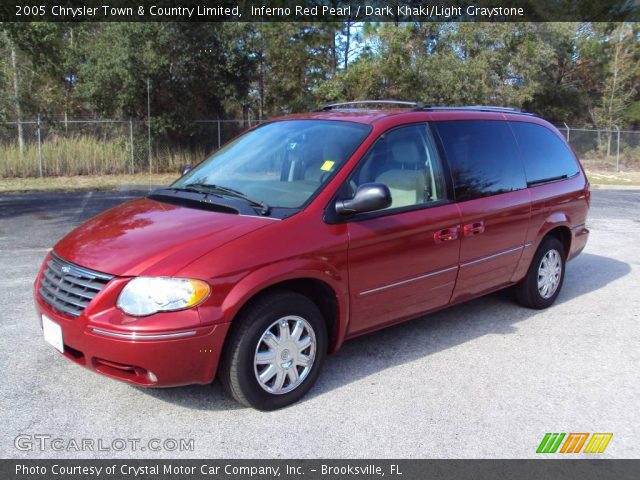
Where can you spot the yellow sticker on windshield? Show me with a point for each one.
(327, 165)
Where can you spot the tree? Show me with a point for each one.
(447, 64)
(33, 71)
(17, 102)
(566, 72)
(294, 59)
(195, 71)
(620, 86)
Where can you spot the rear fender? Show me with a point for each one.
(554, 220)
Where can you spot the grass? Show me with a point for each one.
(87, 162)
(111, 182)
(83, 182)
(87, 155)
(631, 179)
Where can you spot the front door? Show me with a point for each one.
(403, 260)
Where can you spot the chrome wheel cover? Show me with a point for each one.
(549, 273)
(284, 355)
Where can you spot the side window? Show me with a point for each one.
(483, 157)
(405, 160)
(545, 156)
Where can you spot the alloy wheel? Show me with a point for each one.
(285, 354)
(549, 273)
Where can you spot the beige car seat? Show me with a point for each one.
(406, 174)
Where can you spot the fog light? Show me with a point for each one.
(152, 377)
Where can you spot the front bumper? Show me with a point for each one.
(158, 359)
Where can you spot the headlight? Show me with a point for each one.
(147, 295)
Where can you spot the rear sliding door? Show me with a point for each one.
(491, 191)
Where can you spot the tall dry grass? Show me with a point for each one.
(90, 155)
(600, 161)
(86, 155)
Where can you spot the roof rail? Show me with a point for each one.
(420, 106)
(404, 103)
(476, 108)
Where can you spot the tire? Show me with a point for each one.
(528, 292)
(261, 346)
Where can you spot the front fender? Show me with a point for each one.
(294, 269)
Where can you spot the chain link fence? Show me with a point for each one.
(103, 147)
(605, 150)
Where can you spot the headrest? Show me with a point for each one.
(405, 151)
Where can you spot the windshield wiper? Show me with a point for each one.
(192, 188)
(545, 180)
(208, 188)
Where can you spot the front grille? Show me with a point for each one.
(69, 288)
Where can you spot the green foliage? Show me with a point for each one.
(620, 84)
(571, 72)
(293, 61)
(194, 71)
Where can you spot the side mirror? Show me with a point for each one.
(186, 169)
(368, 198)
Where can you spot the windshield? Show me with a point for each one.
(280, 164)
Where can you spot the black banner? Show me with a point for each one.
(318, 10)
(583, 469)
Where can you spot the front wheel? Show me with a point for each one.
(275, 351)
(542, 284)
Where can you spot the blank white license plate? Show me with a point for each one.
(52, 333)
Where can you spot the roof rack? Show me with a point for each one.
(475, 108)
(404, 103)
(420, 106)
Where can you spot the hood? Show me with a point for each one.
(146, 237)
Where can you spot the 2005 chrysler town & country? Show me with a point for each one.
(309, 230)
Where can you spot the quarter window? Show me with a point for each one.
(405, 160)
(483, 157)
(546, 157)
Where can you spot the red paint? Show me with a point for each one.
(382, 270)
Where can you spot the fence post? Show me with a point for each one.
(568, 132)
(39, 148)
(132, 145)
(618, 150)
(219, 133)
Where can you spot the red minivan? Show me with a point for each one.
(309, 230)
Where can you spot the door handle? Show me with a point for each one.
(446, 234)
(475, 228)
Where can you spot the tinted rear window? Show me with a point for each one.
(483, 157)
(546, 157)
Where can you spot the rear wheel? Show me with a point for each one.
(542, 284)
(275, 351)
